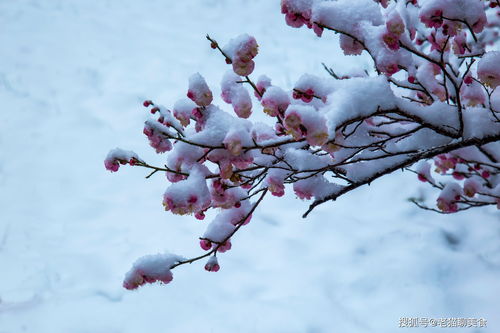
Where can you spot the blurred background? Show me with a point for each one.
(73, 75)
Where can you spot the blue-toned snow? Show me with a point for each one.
(73, 74)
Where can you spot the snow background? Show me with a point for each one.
(72, 76)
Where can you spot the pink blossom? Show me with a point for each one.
(391, 69)
(471, 187)
(225, 169)
(205, 244)
(445, 162)
(296, 13)
(488, 70)
(391, 41)
(318, 30)
(447, 206)
(295, 20)
(424, 172)
(242, 161)
(304, 121)
(225, 197)
(119, 156)
(438, 41)
(212, 265)
(275, 186)
(275, 101)
(158, 140)
(226, 246)
(174, 177)
(111, 165)
(317, 136)
(200, 215)
(307, 95)
(384, 3)
(316, 186)
(242, 50)
(292, 124)
(262, 84)
(439, 92)
(413, 33)
(447, 200)
(473, 93)
(229, 83)
(160, 143)
(432, 19)
(302, 192)
(232, 142)
(199, 92)
(243, 68)
(241, 101)
(394, 23)
(350, 46)
(247, 50)
(183, 109)
(188, 196)
(334, 145)
(479, 25)
(452, 28)
(150, 269)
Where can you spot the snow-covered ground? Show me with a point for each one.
(72, 76)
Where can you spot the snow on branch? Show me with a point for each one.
(430, 106)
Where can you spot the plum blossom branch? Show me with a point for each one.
(214, 250)
(328, 136)
(405, 163)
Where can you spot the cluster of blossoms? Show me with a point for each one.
(150, 269)
(431, 100)
(117, 157)
(467, 178)
(240, 53)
